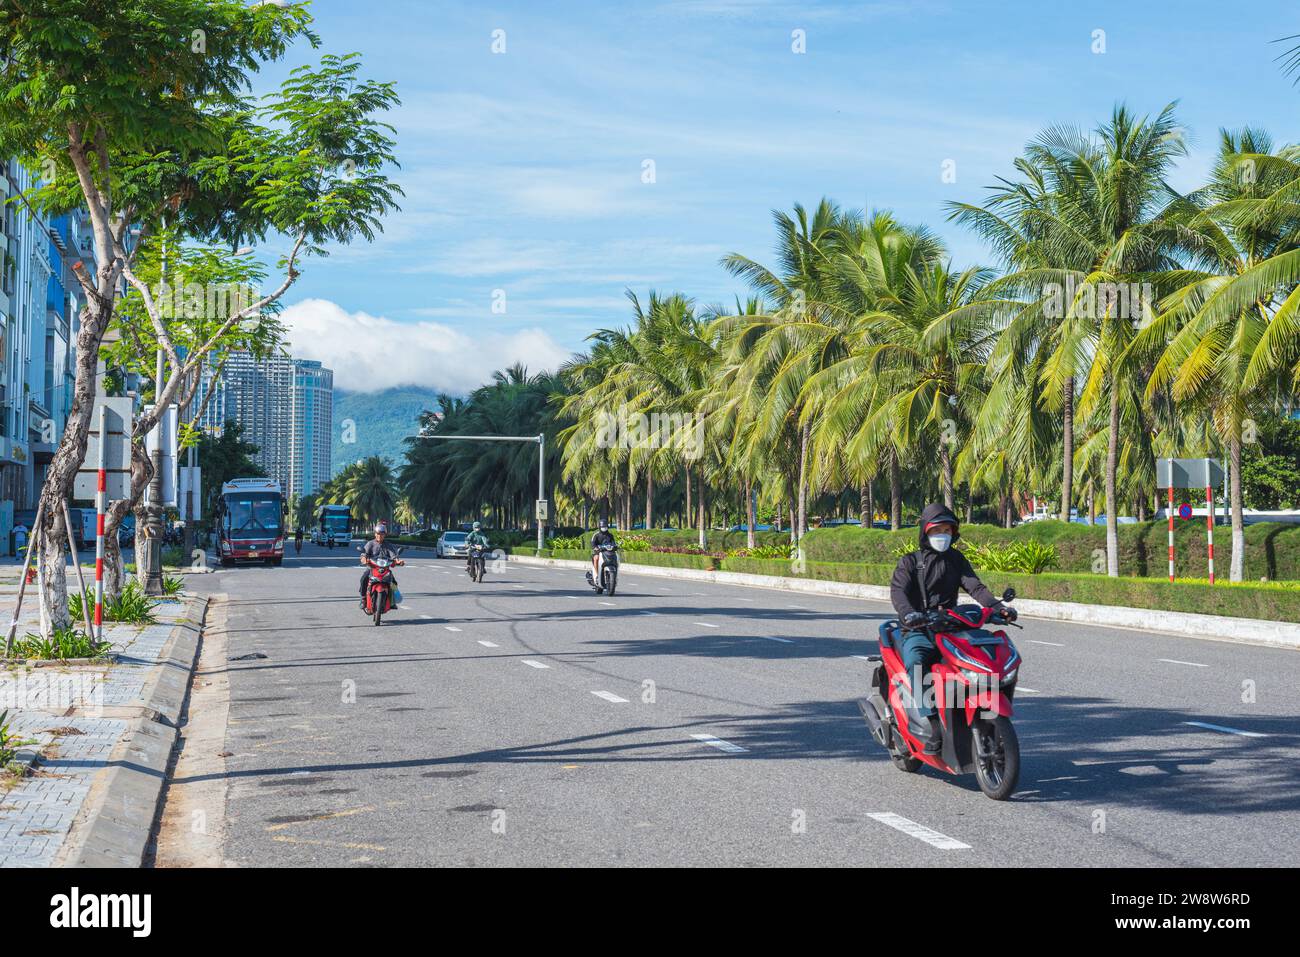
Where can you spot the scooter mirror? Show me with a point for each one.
(360, 549)
(1009, 595)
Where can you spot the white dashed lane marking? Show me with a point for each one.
(533, 664)
(610, 696)
(1219, 727)
(919, 831)
(721, 745)
(1054, 644)
(704, 624)
(488, 644)
(451, 627)
(1175, 661)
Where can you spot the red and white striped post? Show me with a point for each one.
(101, 503)
(1171, 519)
(1209, 529)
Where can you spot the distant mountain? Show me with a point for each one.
(381, 419)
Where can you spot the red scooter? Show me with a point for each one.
(381, 593)
(974, 684)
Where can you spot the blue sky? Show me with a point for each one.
(523, 169)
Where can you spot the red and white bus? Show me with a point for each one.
(250, 521)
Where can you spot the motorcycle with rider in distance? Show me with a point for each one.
(974, 685)
(606, 577)
(476, 563)
(382, 595)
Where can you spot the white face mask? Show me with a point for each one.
(940, 543)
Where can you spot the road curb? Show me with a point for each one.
(114, 828)
(1275, 634)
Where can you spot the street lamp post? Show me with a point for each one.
(541, 467)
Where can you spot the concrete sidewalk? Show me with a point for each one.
(102, 736)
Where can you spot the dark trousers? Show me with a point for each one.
(919, 654)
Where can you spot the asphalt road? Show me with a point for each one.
(527, 721)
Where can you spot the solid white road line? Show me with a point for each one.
(704, 624)
(533, 664)
(1054, 644)
(1175, 661)
(1219, 727)
(488, 644)
(919, 831)
(608, 696)
(721, 745)
(451, 627)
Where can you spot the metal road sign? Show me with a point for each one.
(117, 451)
(1188, 473)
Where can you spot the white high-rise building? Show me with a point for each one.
(285, 407)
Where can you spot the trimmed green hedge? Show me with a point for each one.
(1272, 548)
(662, 559)
(1273, 601)
(718, 541)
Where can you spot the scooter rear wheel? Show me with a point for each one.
(999, 774)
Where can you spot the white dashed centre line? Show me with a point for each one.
(1175, 661)
(427, 617)
(1054, 644)
(784, 641)
(1219, 727)
(721, 745)
(609, 603)
(703, 624)
(488, 644)
(919, 831)
(610, 696)
(451, 627)
(533, 664)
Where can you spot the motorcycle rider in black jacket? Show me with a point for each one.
(925, 580)
(603, 536)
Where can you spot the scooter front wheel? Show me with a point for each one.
(997, 757)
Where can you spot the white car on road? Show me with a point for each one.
(452, 545)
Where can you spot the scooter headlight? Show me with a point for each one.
(1009, 677)
(982, 667)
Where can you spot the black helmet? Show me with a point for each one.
(937, 514)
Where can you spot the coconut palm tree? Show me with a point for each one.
(1227, 338)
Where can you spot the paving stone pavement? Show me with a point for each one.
(37, 815)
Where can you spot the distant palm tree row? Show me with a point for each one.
(1125, 322)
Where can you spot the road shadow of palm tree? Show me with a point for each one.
(1097, 750)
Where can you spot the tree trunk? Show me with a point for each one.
(1067, 466)
(1112, 503)
(803, 483)
(750, 540)
(895, 492)
(864, 505)
(945, 462)
(1237, 569)
(689, 512)
(699, 499)
(649, 500)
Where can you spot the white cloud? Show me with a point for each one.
(369, 353)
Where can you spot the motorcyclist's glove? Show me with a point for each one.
(1008, 612)
(914, 619)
